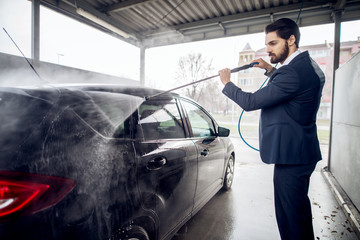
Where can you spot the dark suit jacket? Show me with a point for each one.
(289, 104)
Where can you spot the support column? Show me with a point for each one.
(142, 66)
(35, 30)
(337, 20)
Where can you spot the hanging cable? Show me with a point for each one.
(242, 112)
(173, 9)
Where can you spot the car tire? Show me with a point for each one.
(229, 174)
(135, 233)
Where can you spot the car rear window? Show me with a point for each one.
(21, 113)
(109, 113)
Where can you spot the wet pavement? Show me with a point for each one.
(246, 212)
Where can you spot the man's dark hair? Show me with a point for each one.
(284, 27)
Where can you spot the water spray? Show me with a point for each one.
(204, 79)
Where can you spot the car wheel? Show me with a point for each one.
(229, 174)
(135, 233)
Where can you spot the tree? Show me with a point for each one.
(191, 68)
(194, 67)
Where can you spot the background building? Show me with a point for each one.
(251, 79)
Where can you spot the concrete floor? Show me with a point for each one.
(246, 212)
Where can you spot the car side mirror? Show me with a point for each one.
(223, 132)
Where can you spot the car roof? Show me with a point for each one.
(55, 89)
(129, 90)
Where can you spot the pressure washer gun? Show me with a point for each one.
(243, 67)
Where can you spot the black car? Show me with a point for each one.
(106, 162)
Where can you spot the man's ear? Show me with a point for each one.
(291, 41)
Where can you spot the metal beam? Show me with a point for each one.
(124, 5)
(222, 27)
(235, 27)
(35, 30)
(318, 12)
(337, 20)
(339, 4)
(245, 15)
(142, 66)
(69, 7)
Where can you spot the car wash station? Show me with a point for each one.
(247, 210)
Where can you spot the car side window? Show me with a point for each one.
(110, 114)
(201, 123)
(161, 120)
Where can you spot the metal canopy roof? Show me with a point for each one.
(150, 23)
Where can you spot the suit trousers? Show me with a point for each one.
(292, 204)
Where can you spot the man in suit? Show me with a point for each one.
(287, 132)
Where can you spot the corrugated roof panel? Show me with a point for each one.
(248, 5)
(219, 4)
(267, 3)
(178, 7)
(95, 3)
(134, 17)
(156, 15)
(239, 6)
(285, 2)
(214, 9)
(175, 13)
(190, 20)
(190, 12)
(199, 9)
(205, 8)
(230, 5)
(276, 3)
(257, 4)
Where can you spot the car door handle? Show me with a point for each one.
(156, 163)
(204, 152)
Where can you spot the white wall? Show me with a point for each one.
(345, 140)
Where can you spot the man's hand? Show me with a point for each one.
(225, 75)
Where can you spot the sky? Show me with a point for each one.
(71, 43)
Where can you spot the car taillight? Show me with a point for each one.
(24, 193)
(15, 196)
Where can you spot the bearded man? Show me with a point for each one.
(287, 132)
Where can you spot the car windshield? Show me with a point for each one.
(109, 113)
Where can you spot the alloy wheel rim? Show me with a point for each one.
(230, 172)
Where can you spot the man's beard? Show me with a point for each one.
(283, 55)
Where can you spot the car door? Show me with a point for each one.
(167, 164)
(210, 150)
